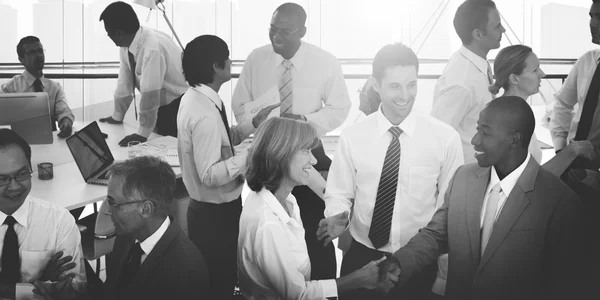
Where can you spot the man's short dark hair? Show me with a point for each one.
(120, 16)
(293, 9)
(519, 116)
(393, 55)
(10, 138)
(471, 15)
(199, 57)
(26, 40)
(146, 178)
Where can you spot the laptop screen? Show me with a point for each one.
(90, 151)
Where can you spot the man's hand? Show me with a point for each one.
(132, 138)
(263, 114)
(583, 149)
(66, 127)
(57, 266)
(389, 272)
(62, 290)
(369, 274)
(295, 117)
(332, 227)
(110, 120)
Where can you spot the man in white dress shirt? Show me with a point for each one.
(397, 182)
(462, 90)
(149, 61)
(577, 132)
(310, 85)
(34, 232)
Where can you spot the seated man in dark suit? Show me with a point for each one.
(512, 229)
(152, 257)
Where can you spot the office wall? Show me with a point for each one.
(71, 32)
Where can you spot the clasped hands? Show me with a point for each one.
(380, 275)
(59, 286)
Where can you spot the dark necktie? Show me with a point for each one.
(131, 267)
(38, 87)
(224, 118)
(381, 222)
(589, 108)
(132, 65)
(11, 262)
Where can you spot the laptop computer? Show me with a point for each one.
(91, 153)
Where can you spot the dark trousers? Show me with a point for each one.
(312, 207)
(417, 287)
(166, 119)
(214, 229)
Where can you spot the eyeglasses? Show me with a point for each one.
(284, 32)
(21, 176)
(35, 52)
(113, 204)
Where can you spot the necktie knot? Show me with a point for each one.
(10, 221)
(395, 131)
(37, 85)
(287, 64)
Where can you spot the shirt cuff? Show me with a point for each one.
(24, 291)
(559, 143)
(118, 116)
(329, 288)
(144, 131)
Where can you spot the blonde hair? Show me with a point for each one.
(510, 60)
(275, 142)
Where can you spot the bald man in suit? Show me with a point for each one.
(512, 229)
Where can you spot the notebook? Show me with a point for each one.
(91, 153)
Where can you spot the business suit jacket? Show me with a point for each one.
(536, 249)
(174, 269)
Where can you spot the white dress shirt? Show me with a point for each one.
(59, 108)
(148, 244)
(319, 88)
(564, 121)
(507, 184)
(460, 94)
(211, 173)
(44, 229)
(158, 76)
(273, 260)
(430, 153)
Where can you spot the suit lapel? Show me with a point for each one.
(514, 206)
(475, 195)
(154, 256)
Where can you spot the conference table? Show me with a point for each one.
(67, 188)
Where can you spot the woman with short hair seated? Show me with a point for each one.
(273, 260)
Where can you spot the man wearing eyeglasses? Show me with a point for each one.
(309, 83)
(31, 55)
(152, 257)
(34, 233)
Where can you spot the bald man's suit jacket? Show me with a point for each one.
(174, 269)
(536, 250)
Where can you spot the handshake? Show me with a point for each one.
(380, 275)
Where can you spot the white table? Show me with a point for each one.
(67, 188)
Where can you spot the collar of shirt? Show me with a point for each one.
(21, 214)
(297, 60)
(30, 79)
(508, 183)
(277, 208)
(136, 42)
(407, 125)
(150, 242)
(209, 93)
(479, 62)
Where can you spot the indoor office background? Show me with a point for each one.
(79, 51)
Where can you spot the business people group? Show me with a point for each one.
(452, 205)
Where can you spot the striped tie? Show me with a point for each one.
(381, 223)
(285, 88)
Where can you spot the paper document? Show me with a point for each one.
(172, 157)
(270, 97)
